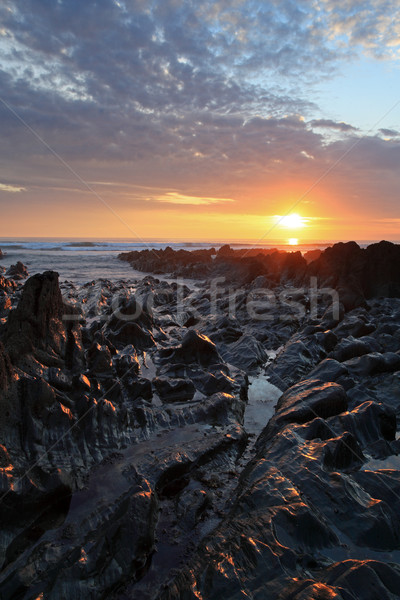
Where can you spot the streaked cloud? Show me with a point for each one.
(175, 198)
(14, 189)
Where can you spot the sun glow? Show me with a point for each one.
(293, 241)
(292, 221)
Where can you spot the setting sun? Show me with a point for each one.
(292, 221)
(293, 242)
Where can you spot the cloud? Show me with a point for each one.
(205, 98)
(329, 124)
(175, 198)
(4, 187)
(389, 132)
(372, 25)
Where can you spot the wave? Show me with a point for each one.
(12, 247)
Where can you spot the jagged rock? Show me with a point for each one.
(5, 304)
(309, 399)
(167, 500)
(7, 286)
(373, 363)
(381, 276)
(195, 348)
(130, 310)
(37, 396)
(342, 453)
(328, 370)
(225, 250)
(295, 361)
(340, 267)
(367, 579)
(174, 390)
(6, 370)
(132, 334)
(138, 387)
(246, 353)
(36, 324)
(18, 271)
(312, 255)
(99, 360)
(217, 381)
(350, 348)
(127, 364)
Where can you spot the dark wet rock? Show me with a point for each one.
(174, 390)
(218, 381)
(140, 498)
(6, 370)
(317, 429)
(132, 334)
(195, 348)
(131, 310)
(350, 348)
(7, 286)
(181, 262)
(309, 399)
(5, 304)
(99, 360)
(37, 396)
(373, 363)
(18, 271)
(36, 325)
(328, 370)
(137, 387)
(131, 322)
(81, 383)
(220, 407)
(355, 325)
(225, 331)
(297, 359)
(381, 276)
(246, 353)
(366, 580)
(370, 423)
(312, 255)
(225, 250)
(342, 453)
(340, 267)
(127, 364)
(58, 379)
(356, 274)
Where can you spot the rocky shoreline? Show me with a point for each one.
(138, 456)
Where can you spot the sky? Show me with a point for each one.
(211, 120)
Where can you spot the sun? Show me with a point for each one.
(292, 221)
(293, 241)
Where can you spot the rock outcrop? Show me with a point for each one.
(6, 370)
(157, 444)
(35, 327)
(356, 274)
(18, 271)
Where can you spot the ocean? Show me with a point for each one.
(80, 261)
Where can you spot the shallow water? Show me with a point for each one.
(263, 397)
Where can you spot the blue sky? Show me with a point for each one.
(182, 117)
(362, 92)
